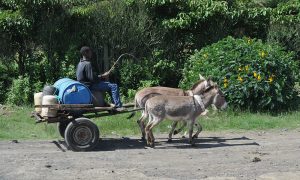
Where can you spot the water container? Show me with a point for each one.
(46, 111)
(72, 92)
(38, 98)
(50, 90)
(98, 98)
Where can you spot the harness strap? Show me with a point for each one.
(199, 101)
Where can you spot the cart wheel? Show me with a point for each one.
(82, 135)
(61, 126)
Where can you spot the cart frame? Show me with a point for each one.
(79, 132)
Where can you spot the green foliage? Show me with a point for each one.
(20, 93)
(252, 74)
(285, 26)
(164, 71)
(12, 22)
(2, 92)
(6, 77)
(131, 75)
(195, 12)
(135, 76)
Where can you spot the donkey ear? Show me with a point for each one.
(201, 77)
(210, 82)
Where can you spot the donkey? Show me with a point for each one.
(181, 108)
(143, 95)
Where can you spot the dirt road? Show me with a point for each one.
(226, 155)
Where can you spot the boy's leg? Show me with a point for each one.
(113, 88)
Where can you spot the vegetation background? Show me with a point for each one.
(173, 40)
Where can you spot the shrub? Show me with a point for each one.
(20, 92)
(132, 74)
(252, 74)
(2, 92)
(284, 26)
(164, 71)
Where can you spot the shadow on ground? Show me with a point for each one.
(112, 144)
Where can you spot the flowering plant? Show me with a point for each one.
(252, 74)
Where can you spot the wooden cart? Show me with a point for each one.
(74, 123)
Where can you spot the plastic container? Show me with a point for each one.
(38, 98)
(46, 111)
(49, 90)
(72, 92)
(98, 98)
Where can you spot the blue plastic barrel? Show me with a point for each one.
(72, 92)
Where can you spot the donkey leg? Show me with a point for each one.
(155, 122)
(191, 126)
(141, 123)
(174, 124)
(147, 130)
(181, 128)
(199, 129)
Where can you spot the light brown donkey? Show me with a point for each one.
(143, 95)
(181, 108)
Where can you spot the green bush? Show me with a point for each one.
(253, 75)
(132, 74)
(284, 27)
(164, 71)
(20, 92)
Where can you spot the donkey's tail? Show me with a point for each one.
(134, 112)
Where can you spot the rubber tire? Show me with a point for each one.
(70, 130)
(61, 127)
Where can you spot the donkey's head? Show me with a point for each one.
(215, 96)
(200, 86)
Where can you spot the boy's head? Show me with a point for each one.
(86, 52)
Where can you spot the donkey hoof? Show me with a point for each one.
(152, 145)
(175, 132)
(169, 140)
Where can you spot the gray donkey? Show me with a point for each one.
(143, 95)
(181, 108)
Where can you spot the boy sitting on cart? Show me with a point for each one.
(85, 75)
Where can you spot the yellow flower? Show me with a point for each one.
(271, 78)
(249, 40)
(240, 78)
(205, 55)
(240, 68)
(258, 77)
(247, 68)
(225, 85)
(255, 74)
(263, 54)
(225, 80)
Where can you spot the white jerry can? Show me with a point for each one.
(46, 111)
(38, 98)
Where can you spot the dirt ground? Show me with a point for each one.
(226, 155)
